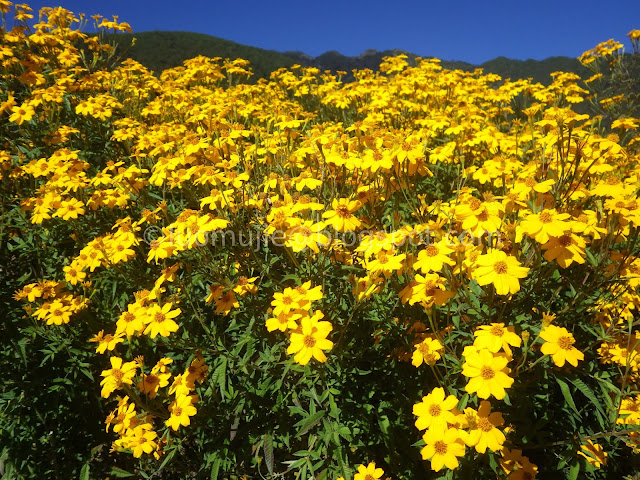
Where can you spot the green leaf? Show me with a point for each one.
(307, 423)
(567, 394)
(167, 459)
(574, 470)
(119, 473)
(268, 452)
(219, 375)
(84, 473)
(215, 469)
(587, 392)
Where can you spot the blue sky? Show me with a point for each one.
(473, 31)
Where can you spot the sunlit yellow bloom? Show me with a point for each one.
(496, 337)
(501, 270)
(341, 216)
(311, 340)
(488, 374)
(483, 432)
(559, 344)
(443, 447)
(370, 472)
(427, 351)
(435, 411)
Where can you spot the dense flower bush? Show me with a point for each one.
(420, 274)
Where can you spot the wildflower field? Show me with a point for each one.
(420, 274)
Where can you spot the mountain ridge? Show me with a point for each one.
(159, 50)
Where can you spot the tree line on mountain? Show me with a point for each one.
(159, 50)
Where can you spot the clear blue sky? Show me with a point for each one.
(473, 31)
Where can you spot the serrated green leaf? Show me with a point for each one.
(268, 452)
(308, 423)
(587, 392)
(567, 394)
(118, 472)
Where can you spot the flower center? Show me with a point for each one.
(158, 317)
(545, 217)
(432, 251)
(565, 241)
(475, 204)
(440, 447)
(612, 181)
(484, 424)
(497, 331)
(487, 372)
(501, 267)
(177, 411)
(309, 341)
(565, 342)
(117, 374)
(343, 211)
(435, 410)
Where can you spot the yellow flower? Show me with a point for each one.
(594, 454)
(427, 351)
(288, 300)
(385, 262)
(483, 432)
(559, 344)
(341, 218)
(106, 342)
(427, 289)
(434, 257)
(443, 447)
(543, 225)
(306, 235)
(565, 249)
(500, 269)
(434, 412)
(152, 382)
(226, 302)
(311, 340)
(495, 337)
(22, 114)
(69, 209)
(141, 440)
(283, 321)
(118, 375)
(160, 320)
(132, 321)
(516, 465)
(181, 409)
(370, 472)
(73, 274)
(488, 374)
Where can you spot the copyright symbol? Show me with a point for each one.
(152, 233)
